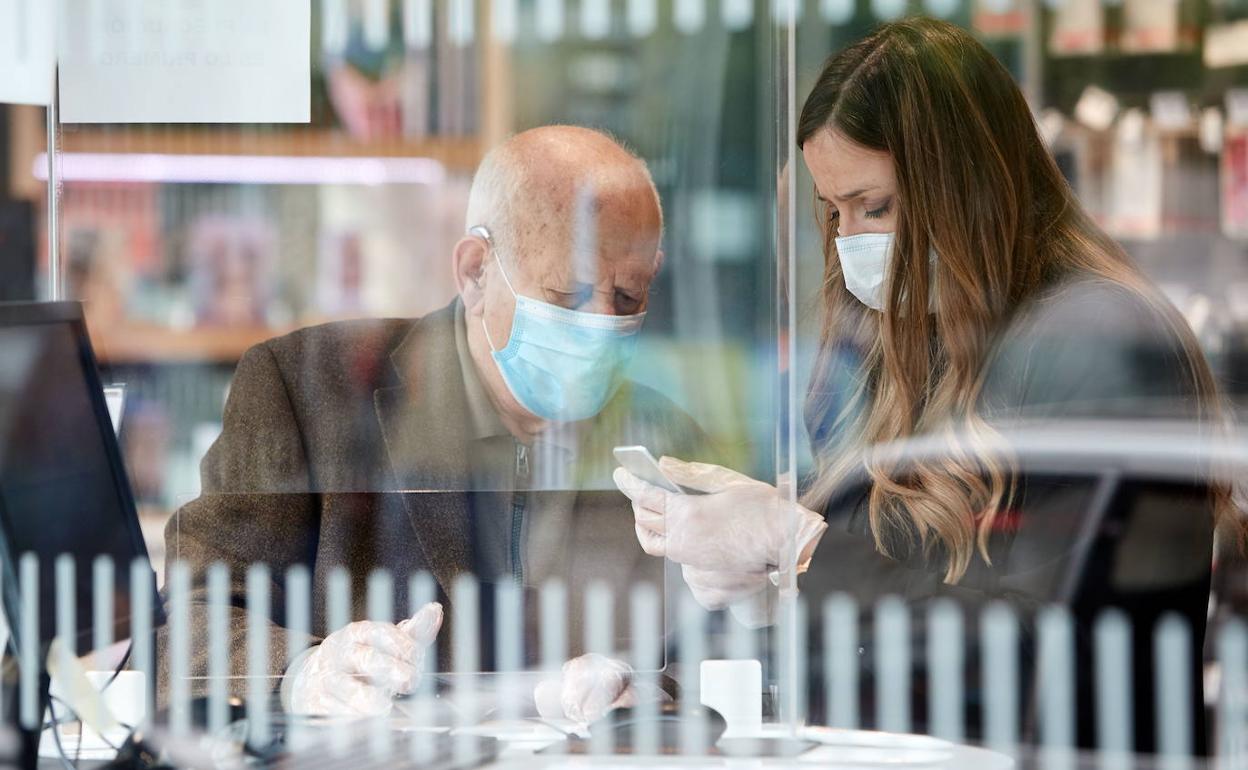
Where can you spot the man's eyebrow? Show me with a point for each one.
(576, 287)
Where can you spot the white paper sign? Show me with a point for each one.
(27, 51)
(186, 61)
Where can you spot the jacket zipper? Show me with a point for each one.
(518, 497)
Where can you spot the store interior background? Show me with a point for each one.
(1144, 102)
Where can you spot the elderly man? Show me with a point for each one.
(476, 439)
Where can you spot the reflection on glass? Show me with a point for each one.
(954, 372)
(473, 441)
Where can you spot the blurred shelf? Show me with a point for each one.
(131, 343)
(1111, 55)
(459, 153)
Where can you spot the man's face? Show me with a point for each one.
(553, 264)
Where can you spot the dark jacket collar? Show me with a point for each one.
(423, 417)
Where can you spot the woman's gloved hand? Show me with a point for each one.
(358, 669)
(727, 540)
(587, 689)
(750, 596)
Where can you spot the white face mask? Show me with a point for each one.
(864, 265)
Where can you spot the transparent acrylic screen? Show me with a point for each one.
(313, 432)
(312, 410)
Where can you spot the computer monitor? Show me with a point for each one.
(63, 488)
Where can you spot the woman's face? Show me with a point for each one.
(858, 185)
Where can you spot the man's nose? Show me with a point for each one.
(601, 302)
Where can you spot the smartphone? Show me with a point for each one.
(638, 461)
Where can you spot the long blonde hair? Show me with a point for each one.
(975, 183)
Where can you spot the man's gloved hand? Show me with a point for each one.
(588, 688)
(727, 540)
(358, 669)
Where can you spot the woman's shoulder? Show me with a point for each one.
(1091, 345)
(1094, 305)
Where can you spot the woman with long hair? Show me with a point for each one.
(974, 295)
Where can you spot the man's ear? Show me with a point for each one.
(658, 261)
(469, 261)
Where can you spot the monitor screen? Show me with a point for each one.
(62, 486)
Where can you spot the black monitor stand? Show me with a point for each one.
(20, 747)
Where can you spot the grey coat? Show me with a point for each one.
(1087, 529)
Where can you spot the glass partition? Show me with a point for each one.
(1079, 340)
(938, 339)
(311, 321)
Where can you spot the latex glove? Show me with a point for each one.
(358, 669)
(588, 688)
(750, 596)
(740, 526)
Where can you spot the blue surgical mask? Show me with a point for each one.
(563, 364)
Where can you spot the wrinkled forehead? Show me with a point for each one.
(841, 167)
(629, 258)
(589, 232)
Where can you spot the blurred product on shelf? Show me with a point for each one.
(1135, 192)
(369, 109)
(1235, 183)
(1076, 150)
(1000, 18)
(96, 271)
(1089, 27)
(124, 214)
(456, 73)
(1097, 108)
(230, 270)
(146, 441)
(1189, 187)
(389, 81)
(383, 251)
(1078, 28)
(185, 272)
(1153, 26)
(1155, 174)
(340, 274)
(1226, 45)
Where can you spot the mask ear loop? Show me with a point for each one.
(503, 270)
(486, 329)
(484, 234)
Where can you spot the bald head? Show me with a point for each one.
(538, 187)
(574, 221)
